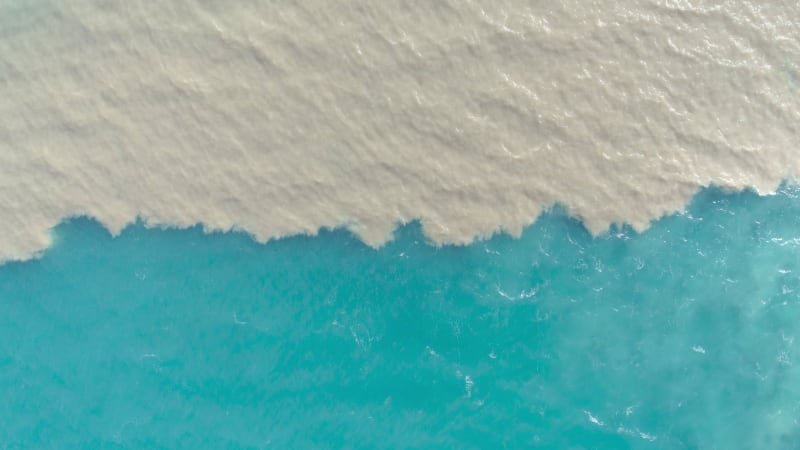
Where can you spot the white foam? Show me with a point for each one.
(280, 118)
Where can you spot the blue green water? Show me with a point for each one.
(679, 337)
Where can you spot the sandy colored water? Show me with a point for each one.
(283, 117)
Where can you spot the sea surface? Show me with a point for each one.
(561, 224)
(284, 117)
(679, 337)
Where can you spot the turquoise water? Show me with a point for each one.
(679, 337)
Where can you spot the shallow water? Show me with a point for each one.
(680, 337)
(286, 116)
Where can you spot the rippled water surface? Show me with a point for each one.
(680, 337)
(471, 115)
